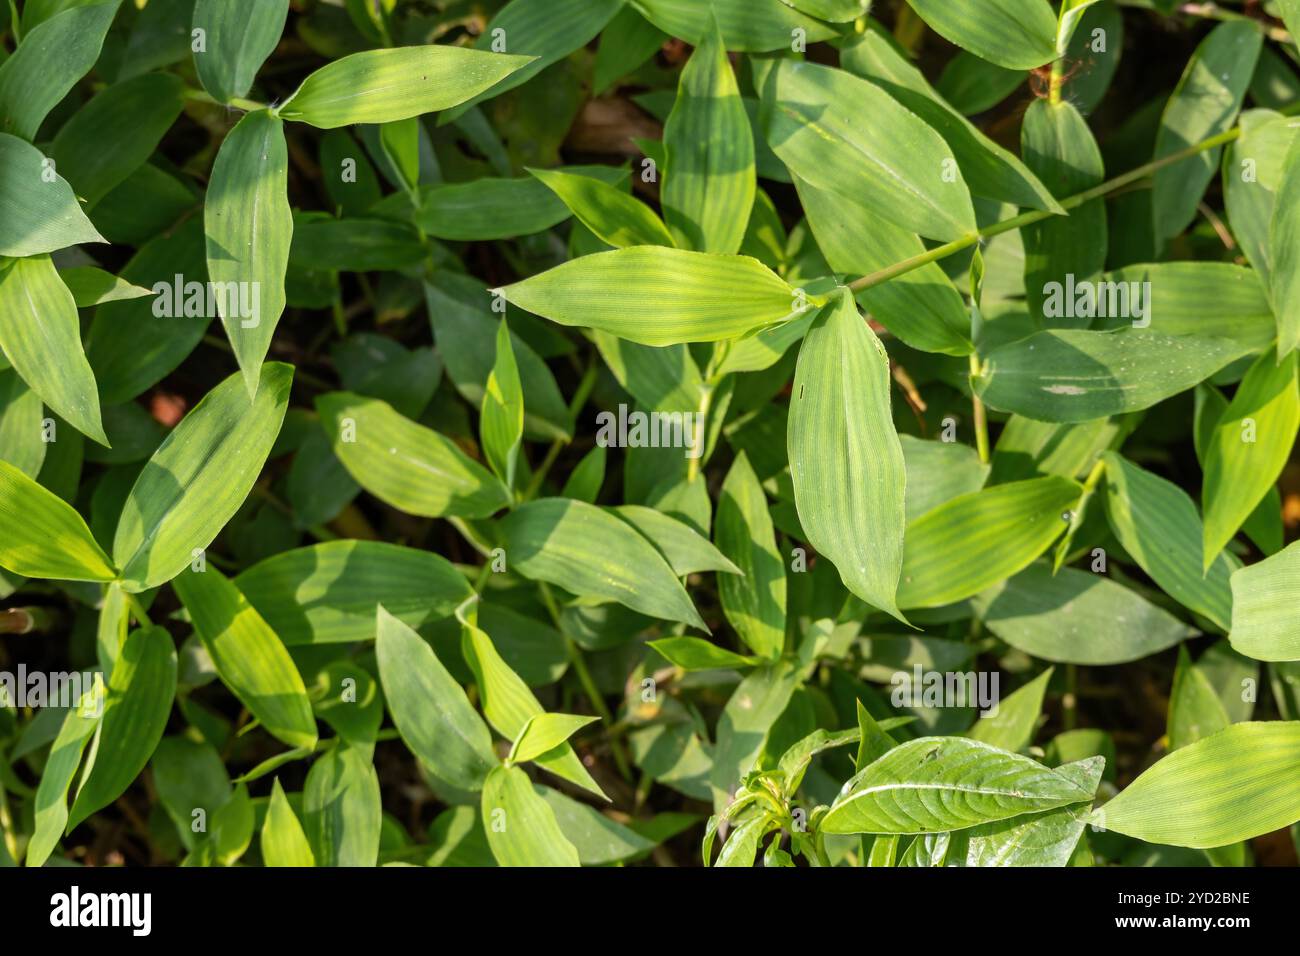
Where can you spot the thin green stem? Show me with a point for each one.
(137, 609)
(980, 415)
(585, 385)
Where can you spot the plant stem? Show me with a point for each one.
(981, 416)
(137, 609)
(580, 397)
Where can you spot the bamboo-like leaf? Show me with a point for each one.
(502, 421)
(91, 286)
(198, 478)
(685, 549)
(341, 809)
(746, 723)
(1284, 252)
(38, 211)
(1239, 783)
(283, 841)
(617, 219)
(248, 656)
(21, 417)
(1204, 104)
(972, 542)
(249, 229)
(1012, 727)
(520, 825)
(384, 86)
(1254, 170)
(432, 713)
(659, 296)
(1076, 375)
(1249, 447)
(815, 119)
(748, 25)
(933, 784)
(406, 465)
(1017, 34)
(1264, 596)
(139, 698)
(938, 471)
(44, 535)
(694, 654)
(544, 732)
(1195, 711)
(845, 458)
(755, 603)
(238, 39)
(709, 181)
(1076, 617)
(51, 807)
(591, 553)
(40, 335)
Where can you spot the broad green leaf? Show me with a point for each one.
(815, 119)
(520, 825)
(1195, 711)
(685, 549)
(694, 654)
(48, 63)
(1017, 34)
(139, 698)
(51, 806)
(617, 219)
(327, 593)
(1264, 596)
(1284, 252)
(1254, 170)
(198, 478)
(1026, 448)
(91, 286)
(40, 335)
(432, 713)
(742, 845)
(249, 229)
(990, 170)
(587, 476)
(384, 86)
(341, 809)
(283, 841)
(1249, 447)
(659, 296)
(21, 425)
(502, 422)
(238, 39)
(836, 11)
(38, 211)
(745, 724)
(752, 26)
(406, 465)
(248, 655)
(1204, 104)
(591, 553)
(972, 542)
(508, 705)
(188, 775)
(1076, 617)
(845, 458)
(1076, 375)
(946, 783)
(543, 733)
(972, 85)
(599, 840)
(1239, 783)
(938, 471)
(709, 180)
(44, 536)
(1012, 727)
(1159, 527)
(754, 601)
(1059, 147)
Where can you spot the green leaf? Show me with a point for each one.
(747, 25)
(979, 539)
(617, 219)
(815, 119)
(520, 825)
(836, 11)
(38, 211)
(694, 654)
(1194, 708)
(249, 229)
(599, 840)
(327, 593)
(1076, 617)
(1249, 447)
(40, 335)
(44, 536)
(754, 602)
(845, 458)
(384, 86)
(972, 85)
(248, 655)
(946, 783)
(1284, 252)
(659, 296)
(587, 476)
(48, 63)
(1076, 375)
(1254, 169)
(239, 38)
(91, 286)
(1012, 727)
(21, 425)
(283, 841)
(685, 549)
(1159, 527)
(1203, 105)
(591, 553)
(543, 733)
(746, 723)
(1264, 624)
(198, 478)
(406, 465)
(709, 179)
(51, 806)
(435, 718)
(1017, 34)
(1239, 783)
(139, 698)
(341, 809)
(502, 422)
